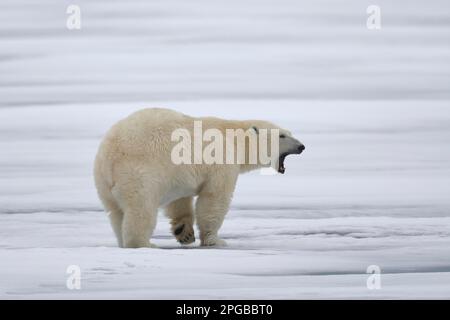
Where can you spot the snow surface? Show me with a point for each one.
(371, 189)
(372, 108)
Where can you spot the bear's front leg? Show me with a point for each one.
(211, 207)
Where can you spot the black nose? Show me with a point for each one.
(301, 148)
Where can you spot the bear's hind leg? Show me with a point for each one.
(139, 214)
(138, 226)
(116, 219)
(181, 214)
(114, 213)
(135, 191)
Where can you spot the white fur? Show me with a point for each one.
(134, 175)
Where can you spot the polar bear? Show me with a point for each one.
(135, 175)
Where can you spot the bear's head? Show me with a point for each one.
(278, 141)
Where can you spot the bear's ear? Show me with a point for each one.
(256, 129)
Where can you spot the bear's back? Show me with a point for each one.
(144, 131)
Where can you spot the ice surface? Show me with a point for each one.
(372, 108)
(371, 189)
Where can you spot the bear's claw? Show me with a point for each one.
(184, 234)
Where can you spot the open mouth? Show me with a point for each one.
(281, 167)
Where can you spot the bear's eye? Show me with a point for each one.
(282, 136)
